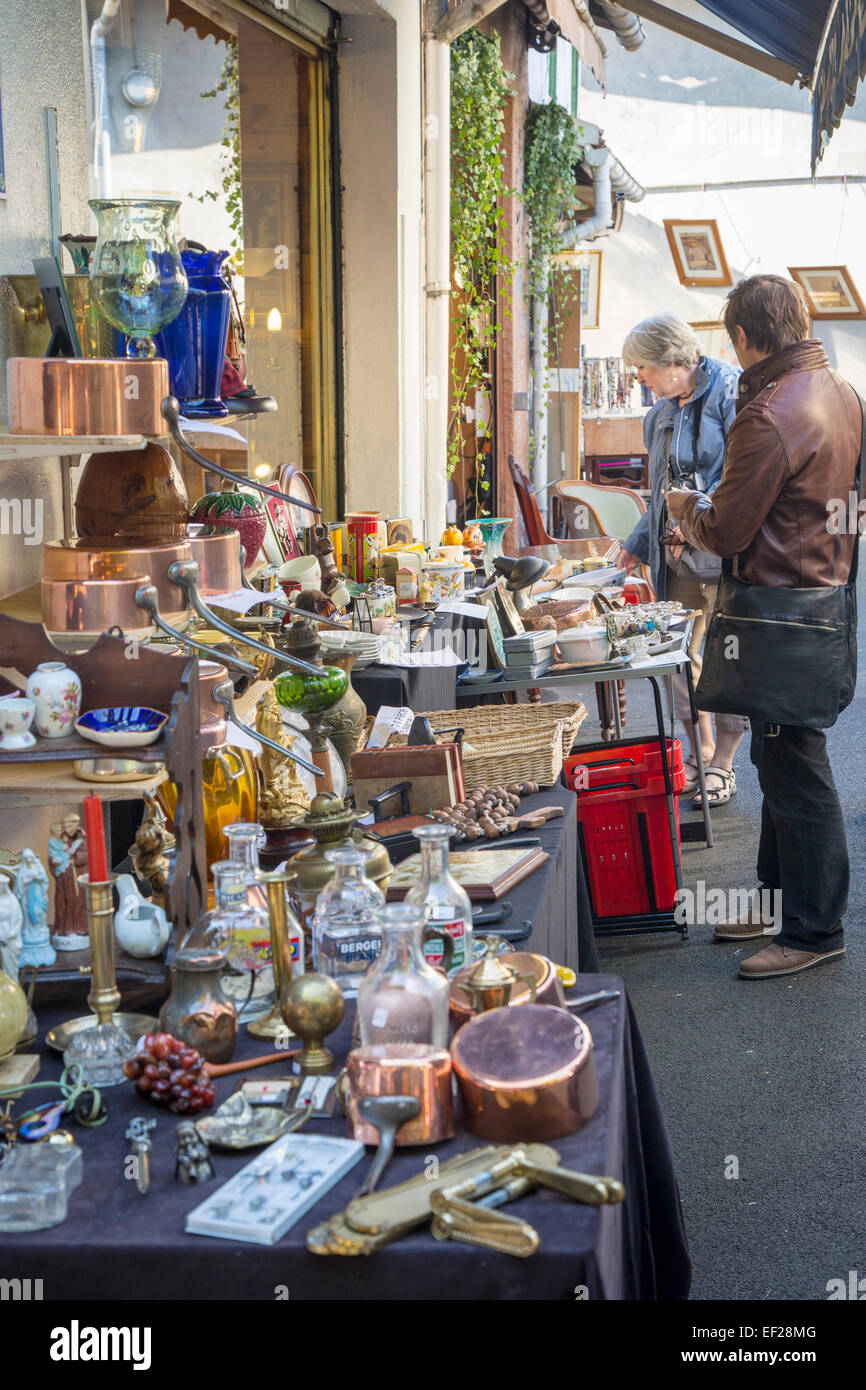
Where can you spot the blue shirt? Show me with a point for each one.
(669, 432)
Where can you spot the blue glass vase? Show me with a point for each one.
(195, 342)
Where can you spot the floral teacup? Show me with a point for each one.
(16, 716)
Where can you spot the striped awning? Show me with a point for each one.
(825, 39)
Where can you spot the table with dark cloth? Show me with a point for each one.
(119, 1244)
(420, 687)
(555, 898)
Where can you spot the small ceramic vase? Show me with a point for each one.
(57, 692)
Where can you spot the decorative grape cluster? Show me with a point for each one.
(171, 1074)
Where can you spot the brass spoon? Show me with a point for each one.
(387, 1113)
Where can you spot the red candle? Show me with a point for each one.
(97, 865)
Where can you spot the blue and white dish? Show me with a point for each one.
(125, 726)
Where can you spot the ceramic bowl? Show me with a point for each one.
(125, 726)
(16, 716)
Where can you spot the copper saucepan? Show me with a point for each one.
(85, 560)
(525, 1074)
(77, 396)
(219, 562)
(84, 608)
(402, 1069)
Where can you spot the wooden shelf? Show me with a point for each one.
(47, 784)
(32, 446)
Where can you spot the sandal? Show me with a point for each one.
(722, 792)
(691, 770)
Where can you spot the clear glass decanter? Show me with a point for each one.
(245, 839)
(240, 929)
(347, 936)
(448, 906)
(402, 999)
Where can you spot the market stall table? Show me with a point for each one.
(119, 1244)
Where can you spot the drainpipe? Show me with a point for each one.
(627, 26)
(608, 177)
(437, 232)
(539, 374)
(101, 114)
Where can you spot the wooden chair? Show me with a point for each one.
(618, 509)
(533, 524)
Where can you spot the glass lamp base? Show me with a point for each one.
(101, 1053)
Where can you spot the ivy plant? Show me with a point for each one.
(228, 87)
(480, 87)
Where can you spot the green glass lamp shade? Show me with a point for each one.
(311, 694)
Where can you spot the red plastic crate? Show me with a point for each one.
(623, 815)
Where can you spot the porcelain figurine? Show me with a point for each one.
(11, 919)
(31, 890)
(67, 858)
(140, 926)
(57, 691)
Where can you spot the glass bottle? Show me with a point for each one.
(245, 839)
(448, 906)
(239, 929)
(346, 934)
(402, 998)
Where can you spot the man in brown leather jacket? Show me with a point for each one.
(792, 449)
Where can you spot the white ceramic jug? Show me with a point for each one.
(141, 927)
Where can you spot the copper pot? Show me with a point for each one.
(212, 715)
(525, 1074)
(402, 1069)
(82, 560)
(77, 396)
(219, 562)
(548, 986)
(89, 607)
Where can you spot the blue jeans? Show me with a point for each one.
(802, 850)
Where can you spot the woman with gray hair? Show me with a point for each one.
(685, 434)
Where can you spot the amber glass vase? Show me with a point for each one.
(230, 788)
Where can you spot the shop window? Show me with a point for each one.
(233, 119)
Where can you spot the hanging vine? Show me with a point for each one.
(553, 149)
(482, 271)
(228, 87)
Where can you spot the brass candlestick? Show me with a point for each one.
(104, 997)
(274, 1026)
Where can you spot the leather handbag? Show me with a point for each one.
(783, 655)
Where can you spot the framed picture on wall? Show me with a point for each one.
(713, 338)
(585, 269)
(830, 290)
(698, 253)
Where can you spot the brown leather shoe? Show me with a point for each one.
(783, 960)
(749, 923)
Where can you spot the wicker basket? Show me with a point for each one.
(510, 743)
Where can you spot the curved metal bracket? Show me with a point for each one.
(171, 415)
(146, 598)
(184, 573)
(225, 695)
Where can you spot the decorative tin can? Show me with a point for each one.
(363, 536)
(439, 582)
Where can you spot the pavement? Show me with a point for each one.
(762, 1082)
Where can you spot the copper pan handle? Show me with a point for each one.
(184, 573)
(146, 598)
(171, 415)
(225, 695)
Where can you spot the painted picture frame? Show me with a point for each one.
(698, 253)
(495, 643)
(830, 290)
(509, 619)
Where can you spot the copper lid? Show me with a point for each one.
(513, 1049)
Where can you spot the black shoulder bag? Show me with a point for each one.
(783, 655)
